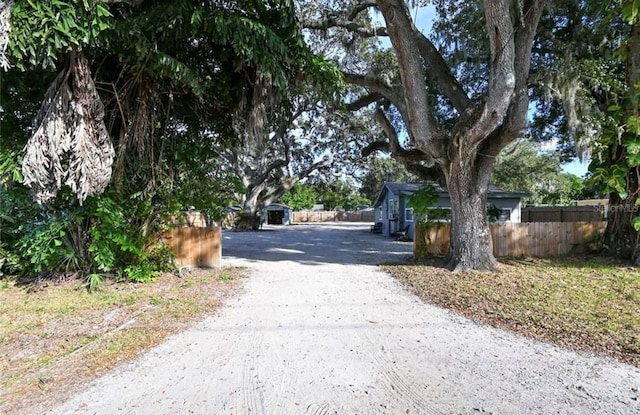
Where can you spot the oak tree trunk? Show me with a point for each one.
(471, 244)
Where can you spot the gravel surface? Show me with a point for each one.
(321, 330)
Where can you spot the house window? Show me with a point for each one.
(394, 208)
(439, 214)
(408, 215)
(505, 215)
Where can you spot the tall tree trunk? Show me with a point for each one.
(248, 218)
(471, 244)
(620, 237)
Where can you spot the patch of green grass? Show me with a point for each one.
(79, 335)
(45, 360)
(225, 276)
(587, 304)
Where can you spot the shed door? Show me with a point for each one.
(275, 217)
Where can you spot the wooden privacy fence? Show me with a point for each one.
(357, 216)
(562, 214)
(535, 239)
(195, 246)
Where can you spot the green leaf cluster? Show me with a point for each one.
(101, 237)
(42, 31)
(423, 202)
(301, 197)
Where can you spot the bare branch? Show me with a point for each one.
(394, 145)
(441, 73)
(376, 85)
(363, 5)
(352, 27)
(364, 101)
(419, 117)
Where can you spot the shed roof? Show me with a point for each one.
(277, 206)
(397, 188)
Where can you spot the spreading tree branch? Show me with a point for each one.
(364, 101)
(394, 143)
(441, 73)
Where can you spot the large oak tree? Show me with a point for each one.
(460, 149)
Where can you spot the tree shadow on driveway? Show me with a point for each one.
(315, 244)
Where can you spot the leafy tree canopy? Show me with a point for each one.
(522, 167)
(300, 197)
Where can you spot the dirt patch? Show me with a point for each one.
(56, 337)
(588, 304)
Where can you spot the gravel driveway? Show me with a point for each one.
(320, 330)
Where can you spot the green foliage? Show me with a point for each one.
(110, 236)
(102, 238)
(161, 257)
(43, 30)
(196, 178)
(9, 168)
(631, 11)
(523, 168)
(245, 221)
(301, 197)
(380, 170)
(493, 212)
(621, 139)
(422, 201)
(226, 276)
(93, 282)
(423, 204)
(44, 246)
(339, 194)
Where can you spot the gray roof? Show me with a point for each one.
(397, 188)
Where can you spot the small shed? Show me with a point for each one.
(394, 214)
(279, 214)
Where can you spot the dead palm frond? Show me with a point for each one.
(70, 144)
(5, 29)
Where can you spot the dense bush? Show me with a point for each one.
(101, 238)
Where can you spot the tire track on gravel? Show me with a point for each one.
(322, 409)
(253, 398)
(395, 380)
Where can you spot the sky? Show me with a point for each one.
(576, 167)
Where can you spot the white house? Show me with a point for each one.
(394, 214)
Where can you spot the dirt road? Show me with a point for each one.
(320, 330)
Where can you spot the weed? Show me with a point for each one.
(93, 282)
(45, 360)
(225, 276)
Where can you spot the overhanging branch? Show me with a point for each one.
(364, 101)
(394, 146)
(441, 73)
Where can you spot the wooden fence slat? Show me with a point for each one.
(195, 246)
(562, 214)
(534, 239)
(331, 216)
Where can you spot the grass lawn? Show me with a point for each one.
(55, 337)
(588, 304)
